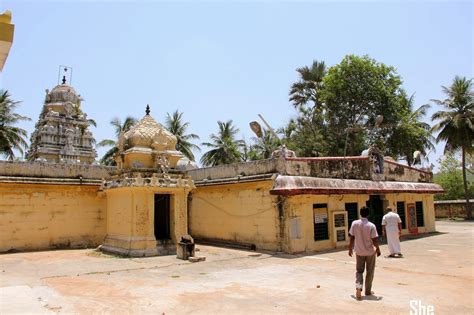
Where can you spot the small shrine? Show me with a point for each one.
(147, 197)
(62, 132)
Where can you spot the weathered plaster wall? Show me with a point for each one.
(451, 208)
(301, 207)
(53, 170)
(37, 216)
(428, 208)
(394, 171)
(244, 212)
(351, 167)
(130, 224)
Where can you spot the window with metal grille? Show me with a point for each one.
(321, 225)
(401, 213)
(351, 208)
(420, 219)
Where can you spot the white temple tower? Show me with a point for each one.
(62, 132)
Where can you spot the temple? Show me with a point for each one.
(147, 194)
(62, 132)
(156, 201)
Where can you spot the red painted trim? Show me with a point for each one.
(343, 191)
(406, 166)
(352, 158)
(328, 158)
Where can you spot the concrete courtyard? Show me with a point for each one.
(437, 271)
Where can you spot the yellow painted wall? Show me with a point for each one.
(131, 218)
(38, 216)
(302, 207)
(247, 213)
(244, 212)
(6, 36)
(428, 208)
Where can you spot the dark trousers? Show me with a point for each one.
(368, 263)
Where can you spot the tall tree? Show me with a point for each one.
(309, 128)
(119, 127)
(174, 123)
(410, 134)
(306, 133)
(306, 90)
(225, 148)
(354, 93)
(456, 124)
(11, 138)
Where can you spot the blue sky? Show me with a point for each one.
(220, 60)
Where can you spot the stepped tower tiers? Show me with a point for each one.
(62, 134)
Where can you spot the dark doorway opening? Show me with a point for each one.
(401, 213)
(375, 204)
(352, 213)
(162, 217)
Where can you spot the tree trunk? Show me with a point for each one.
(466, 194)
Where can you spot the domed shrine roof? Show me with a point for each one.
(147, 145)
(148, 133)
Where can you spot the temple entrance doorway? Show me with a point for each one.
(376, 206)
(162, 217)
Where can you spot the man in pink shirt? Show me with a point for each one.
(364, 241)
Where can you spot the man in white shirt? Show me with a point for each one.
(392, 228)
(364, 240)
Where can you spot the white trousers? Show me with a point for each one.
(393, 240)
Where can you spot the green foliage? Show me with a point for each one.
(456, 124)
(450, 178)
(119, 127)
(337, 111)
(174, 123)
(306, 90)
(11, 138)
(225, 148)
(355, 92)
(411, 133)
(306, 133)
(261, 148)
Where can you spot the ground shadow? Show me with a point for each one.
(411, 237)
(368, 298)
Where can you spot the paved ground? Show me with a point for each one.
(437, 270)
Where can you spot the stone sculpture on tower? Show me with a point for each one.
(62, 132)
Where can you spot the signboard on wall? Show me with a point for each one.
(340, 227)
(339, 220)
(411, 219)
(321, 215)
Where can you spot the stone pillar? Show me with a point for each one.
(130, 218)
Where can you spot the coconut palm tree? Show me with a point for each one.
(119, 127)
(410, 134)
(11, 138)
(225, 148)
(456, 124)
(263, 147)
(174, 123)
(306, 90)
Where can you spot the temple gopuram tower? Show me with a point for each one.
(147, 197)
(61, 134)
